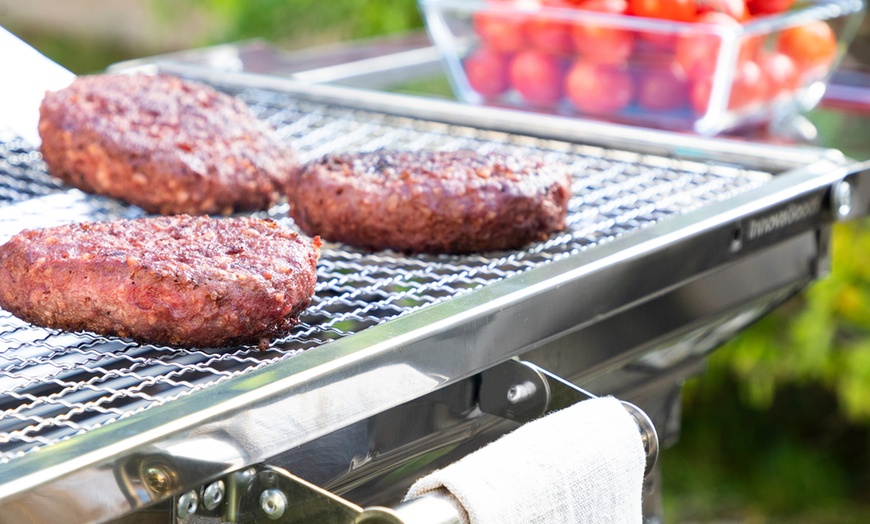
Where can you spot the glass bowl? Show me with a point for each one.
(707, 75)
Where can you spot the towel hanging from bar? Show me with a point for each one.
(583, 464)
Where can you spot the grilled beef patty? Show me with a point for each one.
(164, 144)
(181, 280)
(431, 202)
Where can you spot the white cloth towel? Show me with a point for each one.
(583, 464)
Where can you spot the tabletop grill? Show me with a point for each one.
(77, 406)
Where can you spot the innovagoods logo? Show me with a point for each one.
(783, 218)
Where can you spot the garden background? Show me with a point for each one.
(777, 429)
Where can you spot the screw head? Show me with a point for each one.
(213, 495)
(273, 503)
(843, 199)
(268, 478)
(520, 392)
(157, 479)
(187, 504)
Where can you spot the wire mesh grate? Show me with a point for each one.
(55, 385)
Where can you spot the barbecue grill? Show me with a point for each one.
(674, 243)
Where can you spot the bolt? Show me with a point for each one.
(187, 504)
(520, 392)
(157, 479)
(843, 199)
(268, 478)
(244, 477)
(213, 495)
(273, 502)
(737, 239)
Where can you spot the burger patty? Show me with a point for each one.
(164, 144)
(181, 280)
(431, 202)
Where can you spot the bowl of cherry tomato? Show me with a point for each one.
(705, 66)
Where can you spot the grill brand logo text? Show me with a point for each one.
(783, 218)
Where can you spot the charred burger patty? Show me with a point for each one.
(164, 144)
(431, 202)
(181, 280)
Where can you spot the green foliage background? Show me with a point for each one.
(300, 22)
(778, 427)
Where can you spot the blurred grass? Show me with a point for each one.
(777, 429)
(80, 54)
(298, 23)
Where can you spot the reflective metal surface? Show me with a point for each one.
(513, 391)
(648, 435)
(522, 391)
(432, 508)
(270, 494)
(105, 426)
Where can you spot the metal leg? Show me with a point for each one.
(652, 496)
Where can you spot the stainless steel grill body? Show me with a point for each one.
(712, 233)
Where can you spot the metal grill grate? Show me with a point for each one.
(22, 174)
(54, 385)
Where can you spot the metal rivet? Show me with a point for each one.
(273, 503)
(157, 479)
(213, 495)
(843, 199)
(737, 239)
(187, 504)
(520, 392)
(268, 478)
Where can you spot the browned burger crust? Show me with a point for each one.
(431, 202)
(182, 280)
(164, 144)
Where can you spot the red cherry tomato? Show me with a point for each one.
(549, 33)
(735, 8)
(697, 52)
(768, 7)
(683, 10)
(562, 4)
(537, 77)
(699, 94)
(661, 87)
(749, 87)
(782, 74)
(597, 88)
(501, 30)
(487, 72)
(662, 41)
(600, 42)
(565, 4)
(680, 10)
(751, 47)
(811, 46)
